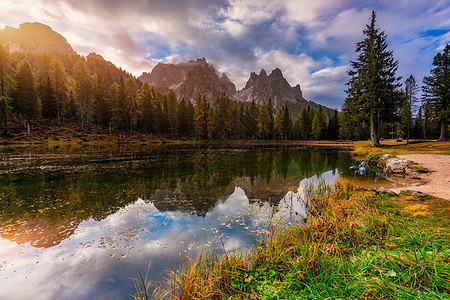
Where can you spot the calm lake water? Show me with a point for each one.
(79, 223)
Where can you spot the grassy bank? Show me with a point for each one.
(362, 149)
(356, 244)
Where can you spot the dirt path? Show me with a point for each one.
(438, 181)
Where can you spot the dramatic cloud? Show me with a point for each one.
(310, 41)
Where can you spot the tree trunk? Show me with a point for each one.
(442, 136)
(28, 128)
(407, 137)
(373, 131)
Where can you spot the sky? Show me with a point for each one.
(311, 41)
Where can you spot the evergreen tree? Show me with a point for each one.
(411, 89)
(60, 83)
(5, 100)
(200, 117)
(48, 100)
(436, 89)
(190, 112)
(251, 120)
(333, 126)
(148, 120)
(172, 108)
(373, 87)
(212, 125)
(102, 108)
(323, 122)
(286, 123)
(316, 127)
(131, 103)
(112, 97)
(84, 94)
(26, 101)
(182, 121)
(303, 124)
(278, 124)
(417, 129)
(270, 124)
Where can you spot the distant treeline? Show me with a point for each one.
(93, 92)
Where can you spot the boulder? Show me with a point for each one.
(395, 165)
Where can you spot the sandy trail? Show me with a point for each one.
(437, 182)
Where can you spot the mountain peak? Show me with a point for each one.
(34, 38)
(188, 78)
(94, 55)
(262, 88)
(277, 73)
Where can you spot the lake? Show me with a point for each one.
(78, 223)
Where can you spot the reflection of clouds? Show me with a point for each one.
(293, 205)
(101, 256)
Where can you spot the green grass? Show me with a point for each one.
(360, 244)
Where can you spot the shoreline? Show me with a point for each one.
(437, 182)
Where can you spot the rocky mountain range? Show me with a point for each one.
(186, 78)
(189, 78)
(274, 86)
(34, 38)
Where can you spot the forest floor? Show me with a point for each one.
(48, 133)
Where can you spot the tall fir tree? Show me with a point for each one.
(5, 100)
(286, 123)
(200, 117)
(48, 100)
(60, 84)
(148, 119)
(303, 124)
(436, 89)
(131, 103)
(26, 101)
(409, 105)
(373, 87)
(172, 108)
(84, 94)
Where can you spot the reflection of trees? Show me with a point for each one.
(188, 180)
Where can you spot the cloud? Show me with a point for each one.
(241, 36)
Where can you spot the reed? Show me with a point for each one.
(355, 244)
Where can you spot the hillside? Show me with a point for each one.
(34, 38)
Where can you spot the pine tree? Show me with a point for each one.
(436, 89)
(373, 86)
(303, 124)
(5, 100)
(286, 123)
(48, 100)
(411, 89)
(148, 120)
(278, 124)
(200, 117)
(172, 108)
(26, 101)
(316, 127)
(182, 115)
(59, 77)
(269, 127)
(333, 126)
(131, 102)
(84, 94)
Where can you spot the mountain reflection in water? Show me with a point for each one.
(81, 230)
